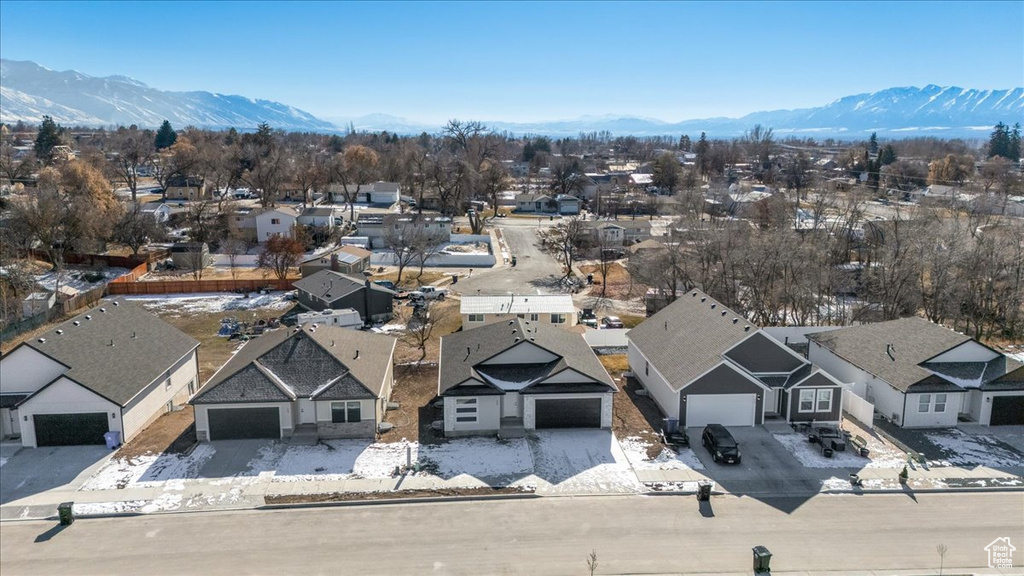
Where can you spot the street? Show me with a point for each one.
(631, 534)
(534, 271)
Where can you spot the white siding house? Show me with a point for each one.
(278, 221)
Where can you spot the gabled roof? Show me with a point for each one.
(462, 352)
(318, 211)
(330, 285)
(1013, 380)
(318, 362)
(518, 304)
(914, 340)
(116, 349)
(689, 336)
(285, 210)
(760, 354)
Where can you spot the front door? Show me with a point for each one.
(307, 411)
(510, 404)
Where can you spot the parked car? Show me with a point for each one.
(429, 293)
(721, 444)
(611, 322)
(588, 318)
(387, 284)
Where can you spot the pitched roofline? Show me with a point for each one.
(274, 379)
(969, 339)
(194, 348)
(567, 367)
(28, 343)
(70, 379)
(732, 366)
(824, 373)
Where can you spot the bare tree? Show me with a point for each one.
(422, 326)
(402, 242)
(566, 241)
(130, 149)
(136, 228)
(354, 168)
(280, 254)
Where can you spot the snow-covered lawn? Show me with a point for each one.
(480, 457)
(582, 461)
(974, 449)
(210, 303)
(882, 456)
(635, 450)
(77, 278)
(149, 470)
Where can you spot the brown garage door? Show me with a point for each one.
(240, 423)
(1007, 410)
(571, 413)
(70, 429)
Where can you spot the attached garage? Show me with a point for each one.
(1007, 410)
(70, 429)
(244, 423)
(568, 413)
(724, 409)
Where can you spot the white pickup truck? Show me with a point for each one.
(428, 293)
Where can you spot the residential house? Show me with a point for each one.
(702, 363)
(743, 204)
(919, 374)
(381, 193)
(553, 309)
(507, 377)
(941, 192)
(244, 222)
(327, 289)
(308, 383)
(186, 188)
(318, 217)
(277, 221)
(377, 228)
(159, 211)
(191, 255)
(544, 204)
(351, 260)
(114, 368)
(641, 180)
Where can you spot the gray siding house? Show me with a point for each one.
(329, 290)
(307, 383)
(702, 363)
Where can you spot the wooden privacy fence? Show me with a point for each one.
(187, 286)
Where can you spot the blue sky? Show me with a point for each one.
(528, 61)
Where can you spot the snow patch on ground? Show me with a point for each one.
(582, 461)
(76, 278)
(809, 455)
(389, 328)
(480, 457)
(193, 303)
(164, 503)
(635, 450)
(2, 462)
(150, 470)
(974, 449)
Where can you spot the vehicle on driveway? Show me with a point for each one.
(428, 293)
(588, 318)
(611, 322)
(721, 444)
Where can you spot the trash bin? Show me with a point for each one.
(65, 513)
(455, 279)
(671, 425)
(704, 491)
(113, 439)
(762, 559)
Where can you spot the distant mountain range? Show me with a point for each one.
(28, 91)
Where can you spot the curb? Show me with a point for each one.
(952, 489)
(385, 501)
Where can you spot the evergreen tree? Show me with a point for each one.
(873, 143)
(684, 143)
(886, 156)
(528, 151)
(47, 139)
(165, 136)
(999, 142)
(702, 154)
(1014, 144)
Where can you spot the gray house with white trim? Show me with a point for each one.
(507, 377)
(316, 381)
(702, 363)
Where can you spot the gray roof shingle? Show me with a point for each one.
(914, 340)
(462, 351)
(116, 349)
(330, 285)
(320, 362)
(688, 337)
(761, 354)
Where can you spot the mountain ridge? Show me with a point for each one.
(28, 91)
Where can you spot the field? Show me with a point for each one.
(617, 286)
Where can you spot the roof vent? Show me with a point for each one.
(357, 355)
(890, 351)
(746, 328)
(116, 303)
(77, 323)
(511, 322)
(703, 299)
(666, 324)
(60, 332)
(517, 339)
(88, 317)
(103, 309)
(111, 341)
(724, 312)
(713, 306)
(134, 335)
(735, 320)
(41, 340)
(694, 294)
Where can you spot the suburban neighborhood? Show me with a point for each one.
(788, 340)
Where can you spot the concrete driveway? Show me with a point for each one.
(30, 471)
(766, 467)
(232, 457)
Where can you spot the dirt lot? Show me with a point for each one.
(618, 282)
(172, 433)
(212, 273)
(411, 277)
(632, 415)
(343, 497)
(415, 388)
(446, 315)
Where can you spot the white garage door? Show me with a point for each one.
(724, 409)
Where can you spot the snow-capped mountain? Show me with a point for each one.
(28, 91)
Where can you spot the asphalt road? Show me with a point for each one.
(634, 534)
(535, 271)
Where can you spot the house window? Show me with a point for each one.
(824, 403)
(346, 412)
(923, 402)
(476, 318)
(940, 402)
(558, 318)
(465, 410)
(275, 221)
(806, 401)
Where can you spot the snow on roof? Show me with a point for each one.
(518, 304)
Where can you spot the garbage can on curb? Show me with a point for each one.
(762, 559)
(704, 491)
(113, 439)
(64, 512)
